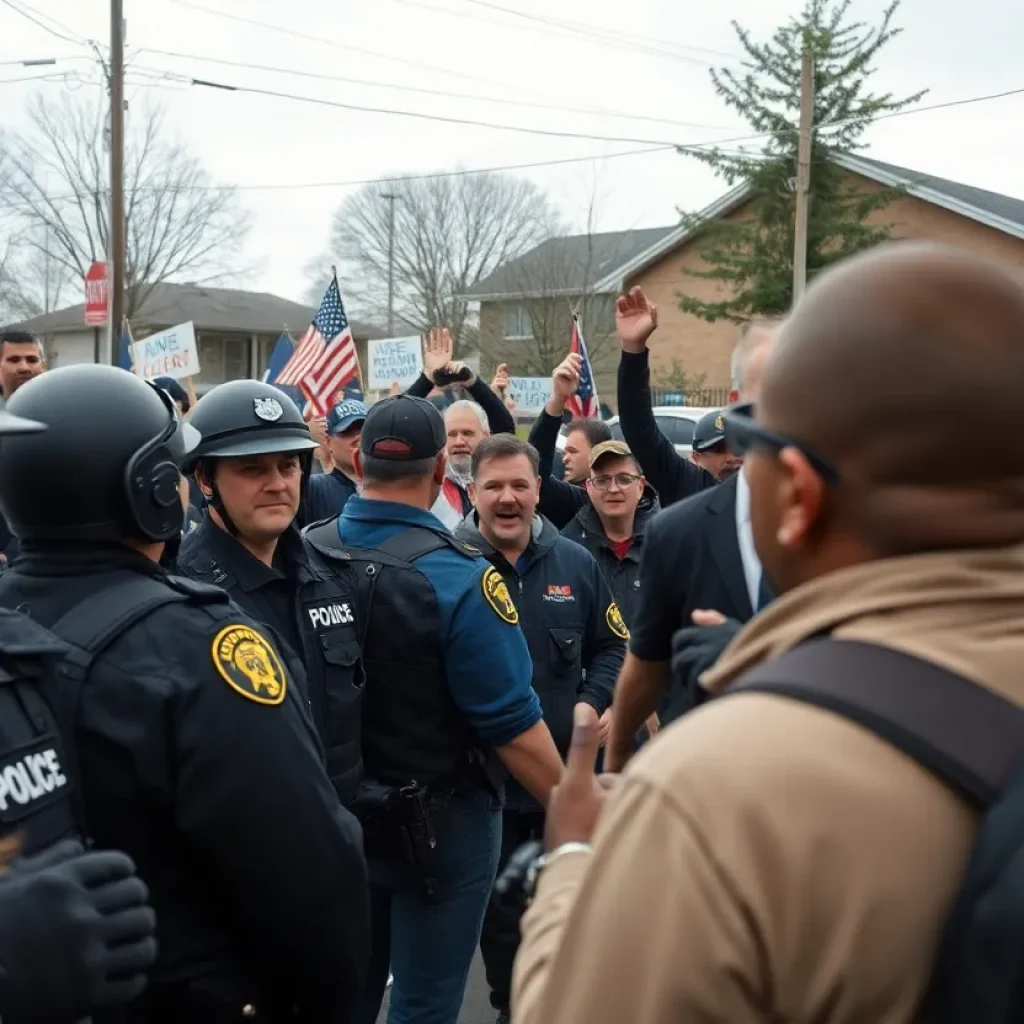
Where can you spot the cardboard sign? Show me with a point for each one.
(529, 393)
(170, 353)
(394, 359)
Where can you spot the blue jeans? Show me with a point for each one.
(429, 943)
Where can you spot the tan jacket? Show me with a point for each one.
(764, 860)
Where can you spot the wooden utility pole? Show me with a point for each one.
(391, 197)
(117, 218)
(803, 172)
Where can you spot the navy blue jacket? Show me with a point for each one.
(571, 623)
(326, 495)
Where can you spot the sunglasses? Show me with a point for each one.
(743, 433)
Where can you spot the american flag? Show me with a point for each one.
(584, 404)
(325, 359)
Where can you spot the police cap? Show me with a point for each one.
(107, 467)
(709, 431)
(247, 417)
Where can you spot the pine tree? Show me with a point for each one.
(754, 254)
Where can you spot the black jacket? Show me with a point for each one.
(570, 621)
(559, 499)
(623, 575)
(499, 419)
(669, 473)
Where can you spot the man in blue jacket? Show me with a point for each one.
(574, 630)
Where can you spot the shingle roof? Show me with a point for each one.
(211, 309)
(1004, 208)
(567, 265)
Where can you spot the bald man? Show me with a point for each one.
(765, 859)
(699, 554)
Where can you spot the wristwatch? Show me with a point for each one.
(534, 871)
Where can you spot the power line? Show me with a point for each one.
(348, 47)
(433, 92)
(383, 181)
(46, 28)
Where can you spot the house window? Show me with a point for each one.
(600, 318)
(517, 322)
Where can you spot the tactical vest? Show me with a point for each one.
(326, 606)
(38, 777)
(412, 728)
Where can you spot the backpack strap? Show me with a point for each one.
(413, 544)
(964, 733)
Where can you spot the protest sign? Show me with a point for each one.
(394, 359)
(529, 393)
(170, 353)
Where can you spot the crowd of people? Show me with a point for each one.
(730, 736)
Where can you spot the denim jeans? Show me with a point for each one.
(429, 942)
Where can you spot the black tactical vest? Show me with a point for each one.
(38, 798)
(412, 728)
(325, 594)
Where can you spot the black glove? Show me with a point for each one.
(76, 934)
(694, 650)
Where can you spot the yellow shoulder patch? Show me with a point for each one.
(615, 622)
(247, 662)
(497, 596)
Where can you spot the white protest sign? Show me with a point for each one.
(394, 359)
(529, 393)
(170, 353)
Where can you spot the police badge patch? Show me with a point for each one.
(497, 596)
(247, 663)
(269, 409)
(615, 622)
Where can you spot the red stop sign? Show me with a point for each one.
(97, 305)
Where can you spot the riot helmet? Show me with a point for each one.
(107, 466)
(247, 417)
(14, 425)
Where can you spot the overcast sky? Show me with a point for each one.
(651, 62)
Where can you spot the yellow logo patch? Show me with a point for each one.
(497, 596)
(719, 423)
(248, 664)
(615, 623)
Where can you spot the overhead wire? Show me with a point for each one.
(596, 111)
(35, 17)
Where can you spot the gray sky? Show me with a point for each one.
(958, 50)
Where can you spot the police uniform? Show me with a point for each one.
(307, 599)
(195, 754)
(448, 679)
(55, 900)
(577, 640)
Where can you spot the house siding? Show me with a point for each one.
(706, 348)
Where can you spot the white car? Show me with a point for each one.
(676, 422)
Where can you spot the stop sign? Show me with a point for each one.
(97, 307)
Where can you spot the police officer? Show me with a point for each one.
(79, 917)
(196, 756)
(574, 629)
(447, 688)
(251, 464)
(709, 450)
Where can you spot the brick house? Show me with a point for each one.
(592, 270)
(235, 330)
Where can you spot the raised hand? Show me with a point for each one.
(636, 319)
(500, 383)
(566, 378)
(437, 351)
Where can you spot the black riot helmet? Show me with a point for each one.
(107, 466)
(247, 417)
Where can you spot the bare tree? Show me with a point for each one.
(54, 182)
(448, 233)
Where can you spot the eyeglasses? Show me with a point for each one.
(743, 432)
(622, 480)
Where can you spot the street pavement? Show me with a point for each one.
(476, 1006)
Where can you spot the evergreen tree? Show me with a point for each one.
(753, 255)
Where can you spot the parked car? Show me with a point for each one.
(675, 422)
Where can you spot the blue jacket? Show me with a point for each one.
(487, 662)
(326, 495)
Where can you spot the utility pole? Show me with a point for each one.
(117, 218)
(391, 197)
(803, 172)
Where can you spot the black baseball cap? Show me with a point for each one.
(404, 429)
(709, 431)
